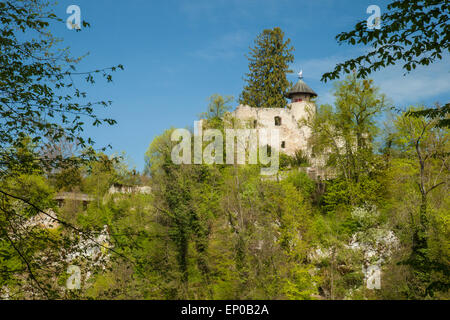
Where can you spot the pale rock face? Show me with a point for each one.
(378, 248)
(45, 221)
(93, 249)
(319, 254)
(376, 242)
(294, 135)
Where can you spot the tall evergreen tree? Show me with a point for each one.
(269, 62)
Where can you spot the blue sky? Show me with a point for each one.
(177, 53)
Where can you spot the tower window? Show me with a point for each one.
(283, 144)
(277, 121)
(255, 123)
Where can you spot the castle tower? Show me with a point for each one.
(301, 95)
(301, 91)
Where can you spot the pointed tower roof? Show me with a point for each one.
(301, 88)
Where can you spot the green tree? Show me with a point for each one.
(422, 141)
(37, 93)
(267, 223)
(217, 107)
(344, 135)
(38, 103)
(412, 33)
(415, 32)
(269, 62)
(179, 192)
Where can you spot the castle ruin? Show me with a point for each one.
(293, 134)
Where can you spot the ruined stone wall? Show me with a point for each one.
(294, 135)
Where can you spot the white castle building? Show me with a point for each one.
(293, 135)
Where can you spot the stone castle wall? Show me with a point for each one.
(294, 135)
